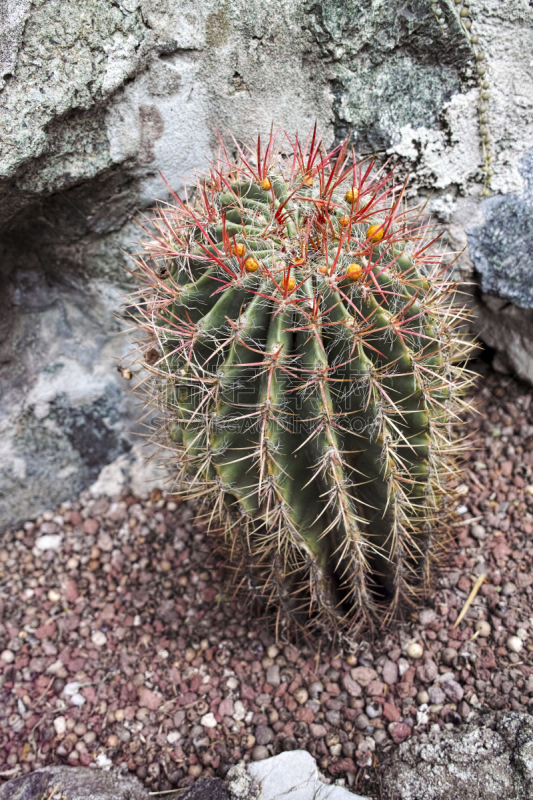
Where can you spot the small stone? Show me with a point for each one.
(363, 675)
(263, 734)
(173, 737)
(50, 541)
(208, 720)
(507, 468)
(453, 690)
(334, 718)
(351, 686)
(374, 709)
(436, 695)
(7, 656)
(399, 731)
(361, 722)
(78, 700)
(391, 712)
(403, 666)
(478, 531)
(448, 655)
(427, 616)
(422, 698)
(390, 672)
(148, 699)
(259, 753)
(60, 726)
(273, 675)
(90, 526)
(317, 731)
(103, 761)
(98, 639)
(54, 596)
(415, 650)
(515, 644)
(301, 695)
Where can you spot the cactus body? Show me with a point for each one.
(302, 335)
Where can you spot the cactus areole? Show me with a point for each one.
(301, 335)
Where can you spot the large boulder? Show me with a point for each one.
(491, 759)
(98, 97)
(80, 783)
(501, 248)
(73, 783)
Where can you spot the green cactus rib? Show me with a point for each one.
(307, 349)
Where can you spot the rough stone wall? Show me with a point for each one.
(97, 97)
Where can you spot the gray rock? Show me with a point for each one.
(507, 329)
(74, 783)
(502, 246)
(491, 759)
(79, 783)
(501, 250)
(291, 774)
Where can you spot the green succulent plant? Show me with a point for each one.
(303, 342)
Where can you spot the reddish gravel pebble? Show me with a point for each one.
(399, 732)
(122, 641)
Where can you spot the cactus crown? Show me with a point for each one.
(304, 345)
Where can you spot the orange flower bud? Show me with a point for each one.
(375, 232)
(354, 271)
(251, 265)
(239, 250)
(289, 283)
(344, 222)
(265, 184)
(351, 195)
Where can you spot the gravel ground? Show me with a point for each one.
(120, 646)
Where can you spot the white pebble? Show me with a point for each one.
(98, 639)
(60, 726)
(208, 720)
(103, 761)
(232, 683)
(515, 644)
(71, 688)
(522, 634)
(8, 656)
(415, 650)
(54, 596)
(484, 628)
(77, 700)
(50, 541)
(173, 737)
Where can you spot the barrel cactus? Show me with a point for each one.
(303, 342)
